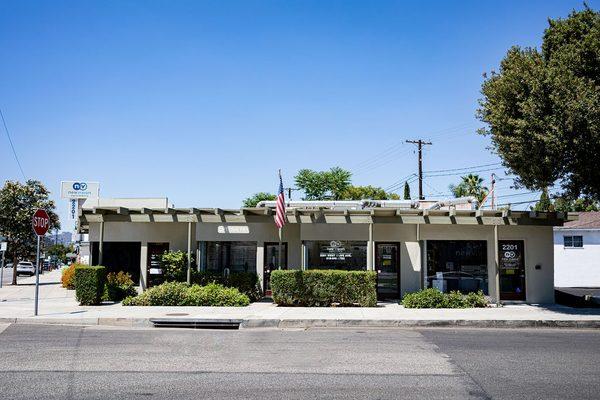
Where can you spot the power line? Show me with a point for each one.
(458, 169)
(11, 144)
(463, 172)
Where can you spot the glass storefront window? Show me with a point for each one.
(336, 254)
(457, 265)
(236, 256)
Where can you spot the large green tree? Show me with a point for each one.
(470, 185)
(542, 108)
(323, 185)
(18, 203)
(367, 192)
(253, 200)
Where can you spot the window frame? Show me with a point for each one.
(572, 239)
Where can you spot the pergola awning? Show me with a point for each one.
(324, 215)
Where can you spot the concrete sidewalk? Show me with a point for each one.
(58, 306)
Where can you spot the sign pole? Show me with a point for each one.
(37, 275)
(40, 223)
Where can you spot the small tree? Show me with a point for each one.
(544, 204)
(406, 191)
(253, 200)
(18, 203)
(470, 185)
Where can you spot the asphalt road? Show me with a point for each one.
(62, 362)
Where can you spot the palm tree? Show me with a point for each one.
(470, 185)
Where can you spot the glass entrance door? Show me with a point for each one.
(512, 269)
(387, 265)
(155, 273)
(272, 263)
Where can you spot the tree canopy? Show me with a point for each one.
(18, 203)
(323, 185)
(542, 108)
(470, 185)
(368, 192)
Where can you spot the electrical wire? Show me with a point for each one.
(12, 145)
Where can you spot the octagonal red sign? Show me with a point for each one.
(41, 222)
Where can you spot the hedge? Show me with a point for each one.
(324, 288)
(67, 278)
(433, 298)
(89, 284)
(180, 294)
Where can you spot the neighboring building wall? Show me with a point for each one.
(577, 267)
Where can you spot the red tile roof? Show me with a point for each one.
(587, 220)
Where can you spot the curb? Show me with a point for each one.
(257, 323)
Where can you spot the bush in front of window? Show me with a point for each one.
(119, 285)
(245, 282)
(433, 298)
(324, 288)
(180, 294)
(89, 284)
(174, 266)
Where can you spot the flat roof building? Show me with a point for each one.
(411, 244)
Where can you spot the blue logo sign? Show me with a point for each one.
(79, 186)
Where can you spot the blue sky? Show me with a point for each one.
(202, 101)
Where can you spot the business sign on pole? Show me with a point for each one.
(79, 189)
(40, 222)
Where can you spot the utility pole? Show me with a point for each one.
(290, 190)
(493, 191)
(420, 143)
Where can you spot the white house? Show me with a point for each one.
(577, 252)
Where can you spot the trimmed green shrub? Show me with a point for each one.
(324, 288)
(245, 282)
(119, 285)
(433, 298)
(214, 294)
(89, 284)
(180, 294)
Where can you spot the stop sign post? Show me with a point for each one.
(41, 223)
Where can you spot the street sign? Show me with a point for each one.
(41, 222)
(3, 246)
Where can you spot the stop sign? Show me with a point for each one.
(41, 222)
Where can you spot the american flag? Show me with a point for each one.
(280, 215)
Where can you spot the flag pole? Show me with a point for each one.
(279, 246)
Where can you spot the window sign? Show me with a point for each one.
(336, 254)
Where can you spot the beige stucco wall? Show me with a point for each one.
(538, 244)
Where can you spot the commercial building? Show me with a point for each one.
(577, 252)
(411, 244)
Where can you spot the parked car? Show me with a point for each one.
(8, 265)
(25, 268)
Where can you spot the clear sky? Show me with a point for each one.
(202, 101)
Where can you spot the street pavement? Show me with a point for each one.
(71, 362)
